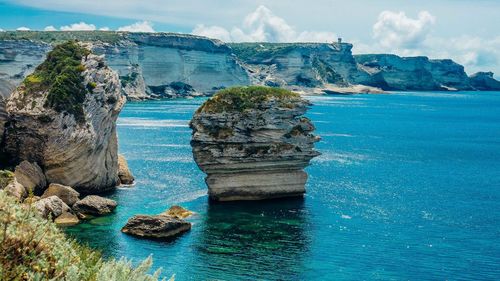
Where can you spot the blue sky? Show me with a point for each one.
(464, 30)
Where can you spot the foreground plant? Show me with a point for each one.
(32, 248)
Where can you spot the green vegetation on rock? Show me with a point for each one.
(61, 75)
(240, 99)
(63, 36)
(5, 178)
(33, 248)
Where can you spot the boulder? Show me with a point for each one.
(66, 219)
(155, 227)
(63, 117)
(31, 176)
(94, 205)
(51, 206)
(17, 190)
(124, 173)
(177, 212)
(67, 194)
(253, 143)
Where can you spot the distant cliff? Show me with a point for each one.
(167, 65)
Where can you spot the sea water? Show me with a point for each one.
(407, 188)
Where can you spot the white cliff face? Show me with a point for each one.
(254, 154)
(78, 154)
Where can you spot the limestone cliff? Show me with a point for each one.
(63, 116)
(484, 81)
(253, 143)
(391, 72)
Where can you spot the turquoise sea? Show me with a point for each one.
(407, 188)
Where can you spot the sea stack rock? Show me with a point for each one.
(253, 143)
(63, 117)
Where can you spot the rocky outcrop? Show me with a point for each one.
(156, 227)
(17, 190)
(69, 128)
(391, 72)
(484, 81)
(253, 143)
(124, 174)
(67, 194)
(31, 176)
(94, 205)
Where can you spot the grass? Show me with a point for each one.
(33, 248)
(240, 99)
(61, 75)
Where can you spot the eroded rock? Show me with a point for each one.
(253, 143)
(67, 219)
(67, 194)
(94, 205)
(17, 190)
(52, 205)
(155, 227)
(124, 173)
(31, 176)
(177, 212)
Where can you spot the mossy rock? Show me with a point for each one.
(6, 177)
(61, 76)
(240, 99)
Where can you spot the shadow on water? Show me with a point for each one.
(253, 239)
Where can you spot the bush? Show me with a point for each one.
(61, 75)
(33, 248)
(240, 99)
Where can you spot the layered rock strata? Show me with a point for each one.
(253, 143)
(66, 122)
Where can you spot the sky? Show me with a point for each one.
(463, 30)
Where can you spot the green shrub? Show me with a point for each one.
(61, 75)
(244, 98)
(33, 248)
(5, 178)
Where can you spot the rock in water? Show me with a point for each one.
(155, 227)
(177, 212)
(124, 173)
(484, 81)
(63, 117)
(94, 205)
(253, 143)
(66, 219)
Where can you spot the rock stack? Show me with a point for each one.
(253, 143)
(63, 118)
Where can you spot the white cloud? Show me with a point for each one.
(142, 26)
(78, 26)
(1, 30)
(105, 28)
(50, 28)
(23, 28)
(263, 25)
(395, 29)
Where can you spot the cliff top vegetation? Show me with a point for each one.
(239, 99)
(61, 75)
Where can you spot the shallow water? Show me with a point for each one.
(407, 187)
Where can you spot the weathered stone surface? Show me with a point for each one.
(155, 227)
(31, 176)
(94, 205)
(124, 173)
(67, 194)
(51, 206)
(257, 153)
(66, 219)
(78, 154)
(484, 81)
(17, 190)
(177, 212)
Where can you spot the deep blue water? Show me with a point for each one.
(407, 188)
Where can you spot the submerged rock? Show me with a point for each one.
(31, 176)
(177, 212)
(124, 173)
(253, 143)
(94, 205)
(66, 219)
(63, 117)
(67, 194)
(156, 227)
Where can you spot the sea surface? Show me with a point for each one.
(407, 188)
